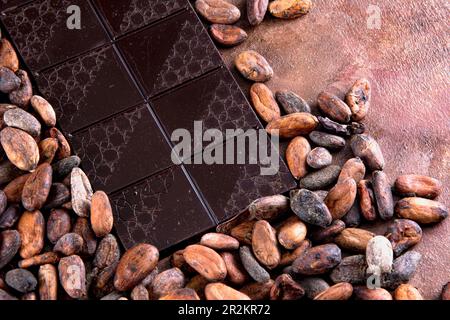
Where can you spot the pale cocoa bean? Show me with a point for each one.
(319, 158)
(45, 258)
(358, 99)
(289, 9)
(403, 234)
(320, 179)
(243, 232)
(59, 194)
(421, 210)
(107, 253)
(236, 273)
(256, 10)
(366, 148)
(31, 227)
(47, 150)
(318, 260)
(288, 257)
(167, 281)
(265, 245)
(354, 239)
(48, 282)
(101, 214)
(21, 97)
(251, 265)
(292, 125)
(340, 291)
(364, 293)
(20, 119)
(220, 291)
(285, 288)
(8, 80)
(309, 208)
(227, 35)
(8, 56)
(352, 269)
(9, 245)
(83, 228)
(81, 192)
(341, 198)
(72, 276)
(264, 102)
(291, 102)
(327, 140)
(37, 188)
(253, 66)
(219, 241)
(297, 155)
(292, 233)
(383, 195)
(407, 292)
(218, 11)
(258, 290)
(69, 244)
(313, 286)
(367, 200)
(334, 108)
(206, 261)
(20, 148)
(21, 280)
(44, 109)
(327, 234)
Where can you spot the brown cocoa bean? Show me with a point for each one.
(318, 260)
(21, 97)
(206, 261)
(8, 172)
(265, 245)
(292, 233)
(296, 157)
(407, 292)
(31, 227)
(309, 208)
(358, 99)
(107, 253)
(341, 129)
(83, 228)
(181, 294)
(9, 245)
(289, 9)
(291, 102)
(354, 239)
(227, 35)
(81, 192)
(64, 150)
(253, 66)
(367, 200)
(256, 10)
(10, 216)
(320, 179)
(243, 232)
(47, 150)
(21, 280)
(383, 195)
(364, 293)
(403, 270)
(251, 265)
(319, 158)
(414, 185)
(48, 282)
(264, 102)
(64, 167)
(139, 293)
(69, 244)
(37, 188)
(220, 291)
(285, 288)
(421, 210)
(59, 194)
(269, 207)
(288, 257)
(13, 190)
(334, 108)
(45, 258)
(20, 119)
(198, 284)
(8, 80)
(8, 56)
(58, 224)
(3, 202)
(101, 214)
(44, 109)
(258, 290)
(366, 148)
(103, 282)
(341, 198)
(219, 241)
(292, 125)
(228, 225)
(177, 260)
(236, 273)
(167, 281)
(313, 286)
(322, 194)
(218, 11)
(353, 216)
(340, 291)
(352, 269)
(403, 234)
(72, 276)
(135, 265)
(327, 140)
(20, 148)
(445, 295)
(353, 168)
(324, 235)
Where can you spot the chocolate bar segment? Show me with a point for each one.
(9, 4)
(122, 150)
(128, 15)
(163, 210)
(40, 32)
(88, 89)
(170, 53)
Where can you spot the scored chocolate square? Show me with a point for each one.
(128, 15)
(9, 4)
(40, 32)
(169, 53)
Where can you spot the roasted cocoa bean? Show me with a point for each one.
(45, 258)
(292, 233)
(265, 245)
(291, 102)
(101, 214)
(58, 195)
(403, 269)
(256, 10)
(269, 207)
(72, 276)
(44, 109)
(366, 148)
(421, 210)
(352, 269)
(8, 80)
(69, 244)
(341, 197)
(220, 291)
(264, 102)
(37, 188)
(47, 150)
(9, 245)
(367, 200)
(358, 99)
(83, 228)
(319, 158)
(236, 273)
(10, 216)
(289, 9)
(334, 108)
(48, 282)
(253, 66)
(407, 292)
(320, 179)
(251, 265)
(107, 253)
(353, 168)
(139, 293)
(354, 239)
(8, 56)
(21, 97)
(327, 140)
(20, 119)
(65, 166)
(297, 155)
(340, 291)
(364, 293)
(219, 241)
(383, 195)
(227, 35)
(341, 129)
(81, 192)
(206, 261)
(31, 227)
(309, 208)
(324, 235)
(218, 11)
(20, 148)
(258, 290)
(403, 234)
(318, 260)
(243, 232)
(21, 280)
(292, 125)
(288, 257)
(313, 286)
(414, 185)
(183, 294)
(285, 288)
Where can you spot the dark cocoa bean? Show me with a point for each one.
(285, 288)
(69, 244)
(8, 80)
(403, 269)
(21, 97)
(10, 216)
(353, 216)
(21, 280)
(63, 167)
(327, 140)
(313, 286)
(291, 102)
(252, 266)
(352, 269)
(324, 235)
(320, 179)
(318, 260)
(309, 208)
(9, 245)
(383, 195)
(341, 129)
(58, 224)
(58, 195)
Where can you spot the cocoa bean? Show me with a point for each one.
(256, 10)
(107, 253)
(69, 244)
(341, 129)
(3, 202)
(291, 102)
(65, 166)
(354, 239)
(403, 269)
(8, 56)
(292, 125)
(367, 200)
(353, 168)
(258, 290)
(341, 198)
(383, 195)
(47, 150)
(319, 158)
(289, 9)
(334, 108)
(64, 150)
(48, 282)
(58, 224)
(177, 260)
(309, 208)
(313, 286)
(167, 281)
(253, 66)
(297, 155)
(327, 140)
(403, 234)
(20, 119)
(101, 214)
(135, 265)
(72, 276)
(364, 293)
(103, 282)
(352, 269)
(358, 99)
(83, 228)
(45, 258)
(81, 192)
(181, 294)
(8, 172)
(20, 148)
(407, 292)
(198, 284)
(218, 241)
(139, 293)
(265, 245)
(59, 194)
(421, 210)
(8, 80)
(322, 194)
(318, 260)
(9, 245)
(21, 280)
(218, 11)
(243, 232)
(227, 35)
(13, 190)
(269, 207)
(37, 188)
(44, 109)
(251, 265)
(324, 235)
(206, 261)
(353, 216)
(148, 280)
(31, 227)
(291, 233)
(288, 257)
(340, 291)
(320, 179)
(21, 97)
(414, 185)
(366, 148)
(220, 291)
(10, 216)
(264, 102)
(285, 288)
(236, 273)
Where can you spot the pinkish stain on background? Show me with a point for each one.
(406, 60)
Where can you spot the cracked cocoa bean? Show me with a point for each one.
(289, 9)
(358, 99)
(227, 35)
(253, 66)
(285, 288)
(341, 129)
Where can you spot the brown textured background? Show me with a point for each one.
(407, 63)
